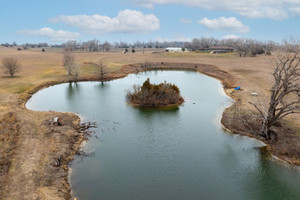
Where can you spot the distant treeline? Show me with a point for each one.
(243, 46)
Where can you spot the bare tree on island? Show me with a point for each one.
(285, 92)
(11, 65)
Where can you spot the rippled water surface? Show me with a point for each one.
(179, 154)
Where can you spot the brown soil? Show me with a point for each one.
(38, 155)
(35, 155)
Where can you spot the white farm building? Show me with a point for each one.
(174, 49)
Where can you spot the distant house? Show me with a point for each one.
(174, 49)
(217, 50)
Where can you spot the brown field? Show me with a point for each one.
(34, 155)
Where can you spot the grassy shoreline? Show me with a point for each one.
(47, 179)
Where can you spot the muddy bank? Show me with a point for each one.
(37, 165)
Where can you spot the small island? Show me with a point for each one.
(153, 96)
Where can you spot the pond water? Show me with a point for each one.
(165, 154)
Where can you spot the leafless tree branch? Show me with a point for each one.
(11, 66)
(284, 98)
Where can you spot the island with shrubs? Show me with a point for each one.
(155, 95)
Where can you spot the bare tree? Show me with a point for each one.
(106, 46)
(71, 44)
(291, 45)
(268, 47)
(102, 70)
(205, 43)
(123, 45)
(196, 44)
(76, 71)
(284, 99)
(11, 66)
(93, 45)
(243, 46)
(68, 61)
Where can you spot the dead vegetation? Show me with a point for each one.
(153, 95)
(9, 134)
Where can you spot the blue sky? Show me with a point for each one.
(57, 21)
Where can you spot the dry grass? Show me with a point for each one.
(46, 144)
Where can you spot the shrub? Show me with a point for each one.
(152, 95)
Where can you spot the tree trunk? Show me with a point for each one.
(268, 121)
(266, 130)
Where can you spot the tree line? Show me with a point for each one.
(245, 47)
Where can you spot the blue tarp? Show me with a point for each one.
(237, 88)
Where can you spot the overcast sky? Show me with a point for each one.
(56, 21)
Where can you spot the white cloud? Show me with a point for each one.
(295, 11)
(272, 9)
(127, 21)
(265, 12)
(147, 5)
(230, 24)
(52, 35)
(186, 21)
(178, 38)
(231, 37)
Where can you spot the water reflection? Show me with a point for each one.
(270, 180)
(148, 113)
(102, 85)
(72, 89)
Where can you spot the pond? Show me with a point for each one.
(162, 154)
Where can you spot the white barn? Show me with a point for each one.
(173, 49)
